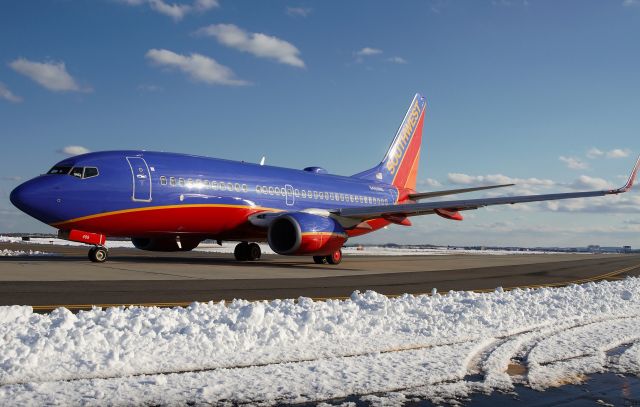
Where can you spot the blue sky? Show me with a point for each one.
(543, 93)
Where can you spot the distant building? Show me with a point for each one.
(626, 249)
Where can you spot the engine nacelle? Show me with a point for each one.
(302, 233)
(165, 244)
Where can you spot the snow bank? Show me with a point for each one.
(303, 350)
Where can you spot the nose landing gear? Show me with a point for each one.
(98, 254)
(245, 251)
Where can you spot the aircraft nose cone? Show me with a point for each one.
(33, 198)
(21, 196)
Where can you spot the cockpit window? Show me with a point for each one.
(80, 172)
(90, 172)
(59, 170)
(76, 172)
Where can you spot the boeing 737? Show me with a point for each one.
(172, 202)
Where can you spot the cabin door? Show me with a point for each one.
(141, 179)
(288, 192)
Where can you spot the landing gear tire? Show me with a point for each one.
(98, 254)
(335, 257)
(253, 252)
(320, 259)
(241, 252)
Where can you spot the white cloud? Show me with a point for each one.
(397, 60)
(607, 204)
(51, 75)
(199, 67)
(257, 44)
(618, 153)
(430, 182)
(298, 11)
(574, 163)
(6, 94)
(73, 150)
(594, 153)
(630, 3)
(587, 182)
(465, 179)
(173, 10)
(615, 153)
(367, 51)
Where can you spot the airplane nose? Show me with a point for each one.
(34, 198)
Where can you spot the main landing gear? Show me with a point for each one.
(247, 251)
(333, 258)
(98, 254)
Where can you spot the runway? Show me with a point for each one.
(169, 279)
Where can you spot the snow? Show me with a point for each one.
(228, 247)
(15, 253)
(384, 350)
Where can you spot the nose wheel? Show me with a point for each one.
(98, 254)
(245, 251)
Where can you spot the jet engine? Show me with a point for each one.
(300, 233)
(165, 244)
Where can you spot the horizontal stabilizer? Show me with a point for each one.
(424, 195)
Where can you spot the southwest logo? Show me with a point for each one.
(404, 137)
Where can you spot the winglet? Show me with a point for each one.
(632, 178)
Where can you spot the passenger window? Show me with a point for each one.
(303, 193)
(181, 181)
(244, 188)
(76, 172)
(206, 183)
(229, 186)
(223, 186)
(277, 190)
(296, 193)
(331, 196)
(163, 180)
(237, 187)
(198, 183)
(172, 181)
(258, 189)
(189, 182)
(214, 185)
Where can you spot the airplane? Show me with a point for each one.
(172, 202)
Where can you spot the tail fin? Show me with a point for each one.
(400, 165)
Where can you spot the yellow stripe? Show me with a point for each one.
(612, 274)
(152, 208)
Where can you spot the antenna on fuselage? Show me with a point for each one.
(262, 160)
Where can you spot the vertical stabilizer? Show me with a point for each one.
(400, 165)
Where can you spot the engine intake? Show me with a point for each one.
(302, 233)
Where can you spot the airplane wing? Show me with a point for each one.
(450, 209)
(423, 195)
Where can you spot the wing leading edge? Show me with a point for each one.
(450, 208)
